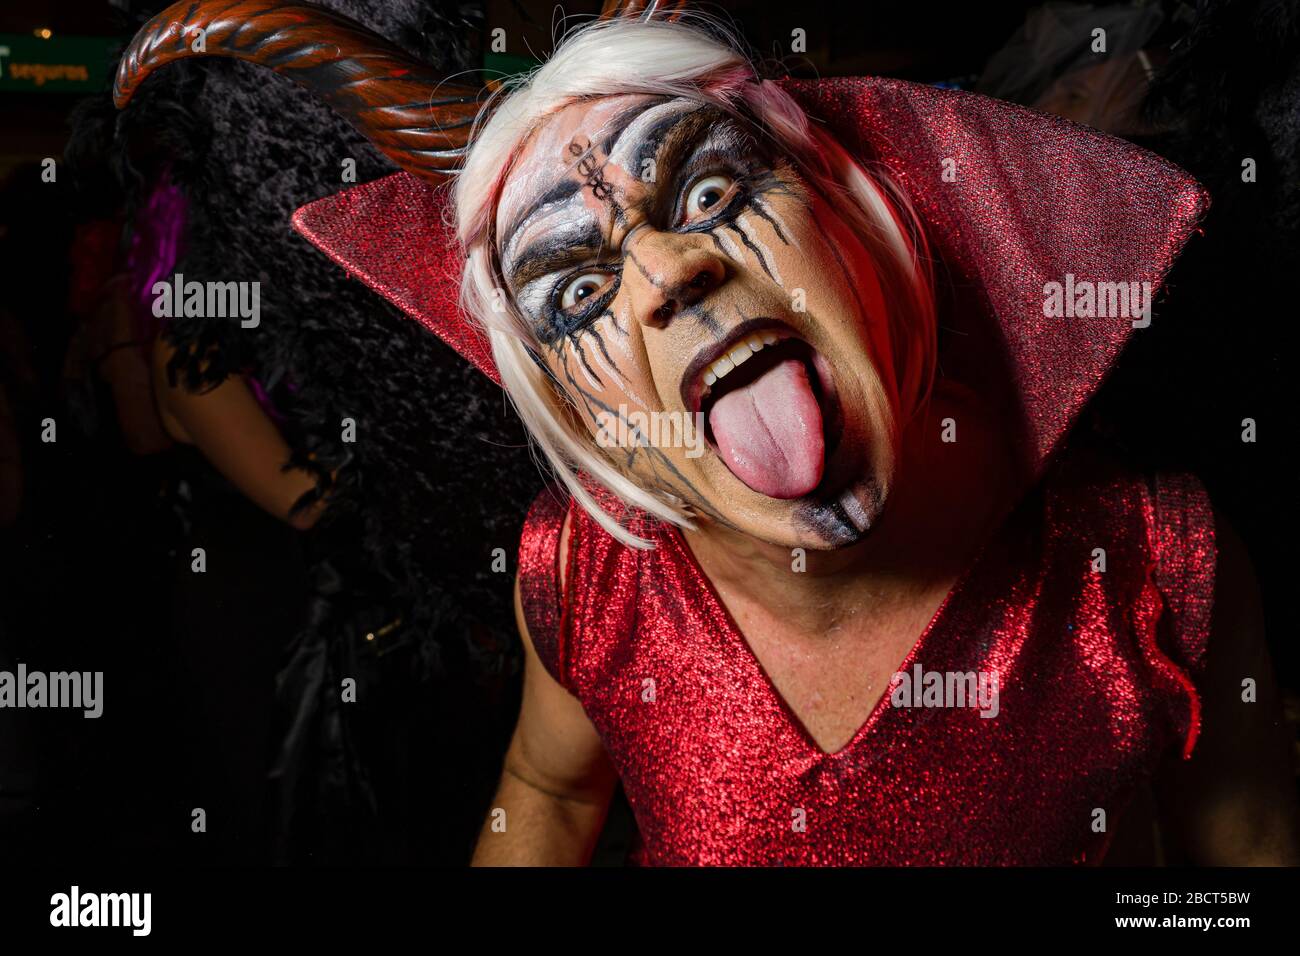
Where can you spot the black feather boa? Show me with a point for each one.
(438, 477)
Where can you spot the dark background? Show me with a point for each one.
(90, 560)
(913, 41)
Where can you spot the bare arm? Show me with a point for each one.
(228, 425)
(557, 782)
(127, 373)
(1233, 803)
(124, 365)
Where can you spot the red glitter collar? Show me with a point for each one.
(1043, 230)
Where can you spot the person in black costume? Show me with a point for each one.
(397, 588)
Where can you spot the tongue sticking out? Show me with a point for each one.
(769, 432)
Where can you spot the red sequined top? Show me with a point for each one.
(1094, 687)
(1095, 668)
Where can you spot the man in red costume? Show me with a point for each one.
(824, 582)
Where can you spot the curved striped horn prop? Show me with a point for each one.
(643, 9)
(401, 105)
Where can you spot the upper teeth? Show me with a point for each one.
(738, 355)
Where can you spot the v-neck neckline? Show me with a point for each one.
(926, 640)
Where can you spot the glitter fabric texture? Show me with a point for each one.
(1096, 669)
(1094, 674)
(395, 235)
(1010, 200)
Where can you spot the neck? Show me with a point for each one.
(944, 501)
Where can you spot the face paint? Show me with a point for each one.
(671, 265)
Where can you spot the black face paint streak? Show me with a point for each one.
(592, 171)
(614, 322)
(656, 282)
(618, 126)
(546, 255)
(771, 182)
(678, 293)
(829, 519)
(749, 244)
(541, 364)
(564, 189)
(703, 315)
(653, 142)
(594, 332)
(829, 522)
(654, 457)
(576, 345)
(760, 209)
(760, 185)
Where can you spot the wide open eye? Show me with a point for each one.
(705, 196)
(584, 287)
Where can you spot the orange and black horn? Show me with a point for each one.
(404, 107)
(401, 105)
(643, 9)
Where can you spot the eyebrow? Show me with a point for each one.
(671, 136)
(669, 139)
(619, 124)
(568, 186)
(549, 253)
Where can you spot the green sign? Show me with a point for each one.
(57, 65)
(500, 66)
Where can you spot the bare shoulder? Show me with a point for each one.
(556, 748)
(165, 391)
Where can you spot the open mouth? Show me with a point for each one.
(769, 405)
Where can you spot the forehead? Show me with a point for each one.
(550, 156)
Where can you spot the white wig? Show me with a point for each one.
(621, 56)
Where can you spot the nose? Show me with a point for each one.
(669, 272)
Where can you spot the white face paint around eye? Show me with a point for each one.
(597, 196)
(645, 292)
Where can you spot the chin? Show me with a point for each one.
(829, 521)
(835, 515)
(797, 437)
